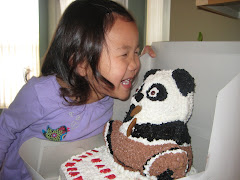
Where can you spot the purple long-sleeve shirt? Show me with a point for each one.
(39, 111)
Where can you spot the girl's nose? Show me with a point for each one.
(134, 64)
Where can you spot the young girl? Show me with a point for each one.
(92, 59)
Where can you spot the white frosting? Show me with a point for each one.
(105, 135)
(123, 128)
(185, 145)
(151, 161)
(154, 142)
(88, 170)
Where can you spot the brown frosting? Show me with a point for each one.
(134, 155)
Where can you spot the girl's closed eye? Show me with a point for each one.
(137, 52)
(125, 54)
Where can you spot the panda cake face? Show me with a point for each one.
(166, 99)
(153, 137)
(161, 99)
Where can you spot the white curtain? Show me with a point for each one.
(55, 11)
(64, 4)
(19, 46)
(158, 20)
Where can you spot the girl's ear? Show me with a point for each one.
(82, 69)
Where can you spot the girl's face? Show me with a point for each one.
(119, 61)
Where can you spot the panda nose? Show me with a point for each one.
(139, 96)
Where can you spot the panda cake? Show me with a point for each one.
(153, 139)
(152, 142)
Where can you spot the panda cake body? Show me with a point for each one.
(153, 139)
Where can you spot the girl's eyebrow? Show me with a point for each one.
(127, 47)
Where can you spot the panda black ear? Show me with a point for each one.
(184, 81)
(150, 72)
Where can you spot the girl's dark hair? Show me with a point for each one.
(80, 37)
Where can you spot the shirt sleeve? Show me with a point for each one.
(23, 111)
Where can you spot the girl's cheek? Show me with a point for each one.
(139, 66)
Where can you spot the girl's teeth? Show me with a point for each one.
(126, 82)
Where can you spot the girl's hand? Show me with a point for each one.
(149, 50)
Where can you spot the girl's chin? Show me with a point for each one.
(123, 97)
(120, 93)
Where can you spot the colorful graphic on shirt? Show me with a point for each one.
(55, 134)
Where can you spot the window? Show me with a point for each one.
(158, 20)
(19, 46)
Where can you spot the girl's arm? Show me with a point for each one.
(23, 112)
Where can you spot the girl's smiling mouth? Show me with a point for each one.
(127, 83)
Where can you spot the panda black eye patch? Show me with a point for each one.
(157, 92)
(138, 96)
